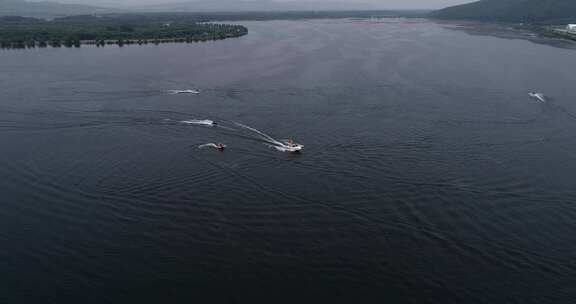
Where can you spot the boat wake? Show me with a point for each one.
(236, 129)
(279, 145)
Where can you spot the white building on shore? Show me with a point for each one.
(571, 28)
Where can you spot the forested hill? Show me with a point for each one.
(513, 11)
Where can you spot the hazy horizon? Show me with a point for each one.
(304, 4)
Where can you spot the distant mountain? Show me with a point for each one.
(512, 11)
(45, 9)
(61, 8)
(254, 5)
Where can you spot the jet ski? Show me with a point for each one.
(538, 96)
(205, 122)
(176, 92)
(218, 146)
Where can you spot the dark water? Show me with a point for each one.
(429, 175)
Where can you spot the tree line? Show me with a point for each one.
(20, 32)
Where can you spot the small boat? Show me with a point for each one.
(204, 122)
(290, 147)
(176, 92)
(218, 146)
(538, 96)
(295, 148)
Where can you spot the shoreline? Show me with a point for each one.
(111, 42)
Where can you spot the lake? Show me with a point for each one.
(428, 174)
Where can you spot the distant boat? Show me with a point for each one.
(538, 96)
(175, 92)
(205, 122)
(219, 146)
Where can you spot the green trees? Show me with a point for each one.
(531, 11)
(122, 30)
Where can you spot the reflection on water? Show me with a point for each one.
(507, 31)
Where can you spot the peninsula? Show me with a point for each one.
(120, 29)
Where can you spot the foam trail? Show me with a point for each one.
(202, 122)
(205, 122)
(278, 145)
(265, 136)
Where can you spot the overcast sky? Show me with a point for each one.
(411, 4)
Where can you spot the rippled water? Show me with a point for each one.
(428, 175)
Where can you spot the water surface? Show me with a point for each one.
(429, 175)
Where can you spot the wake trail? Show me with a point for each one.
(220, 127)
(549, 103)
(265, 136)
(282, 146)
(236, 129)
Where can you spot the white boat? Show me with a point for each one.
(205, 122)
(296, 148)
(175, 92)
(289, 147)
(538, 96)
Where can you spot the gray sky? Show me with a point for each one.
(393, 4)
